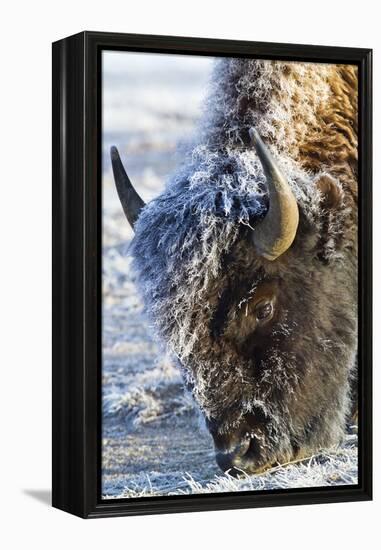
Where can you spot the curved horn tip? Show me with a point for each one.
(276, 233)
(114, 153)
(254, 136)
(131, 202)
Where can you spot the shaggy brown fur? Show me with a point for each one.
(308, 111)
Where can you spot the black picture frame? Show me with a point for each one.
(77, 279)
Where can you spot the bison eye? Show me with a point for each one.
(263, 310)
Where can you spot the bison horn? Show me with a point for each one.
(275, 234)
(130, 200)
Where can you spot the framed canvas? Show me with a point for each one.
(211, 274)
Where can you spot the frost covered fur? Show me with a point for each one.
(286, 384)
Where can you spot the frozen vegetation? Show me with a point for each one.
(154, 442)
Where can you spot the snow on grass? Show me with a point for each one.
(155, 394)
(335, 467)
(329, 468)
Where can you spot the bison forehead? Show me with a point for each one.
(186, 241)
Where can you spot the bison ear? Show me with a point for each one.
(330, 191)
(331, 217)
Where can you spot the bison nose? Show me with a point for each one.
(233, 461)
(231, 450)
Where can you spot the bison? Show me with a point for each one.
(247, 261)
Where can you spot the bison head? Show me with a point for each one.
(248, 278)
